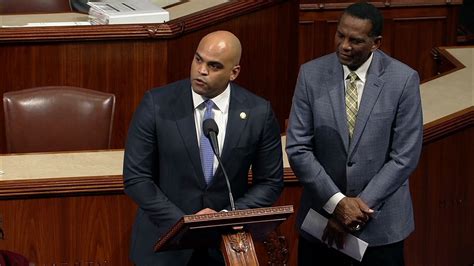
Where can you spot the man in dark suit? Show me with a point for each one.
(166, 170)
(354, 137)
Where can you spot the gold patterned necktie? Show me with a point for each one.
(351, 103)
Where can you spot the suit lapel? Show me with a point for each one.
(235, 122)
(373, 87)
(184, 114)
(336, 94)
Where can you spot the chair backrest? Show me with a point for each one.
(8, 258)
(58, 118)
(9, 7)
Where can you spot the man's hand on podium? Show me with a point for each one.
(206, 211)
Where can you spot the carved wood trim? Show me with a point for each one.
(237, 214)
(238, 249)
(277, 249)
(235, 220)
(170, 29)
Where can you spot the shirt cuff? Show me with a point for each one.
(330, 206)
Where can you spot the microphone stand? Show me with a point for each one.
(231, 197)
(211, 130)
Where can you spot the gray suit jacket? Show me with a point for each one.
(384, 151)
(162, 167)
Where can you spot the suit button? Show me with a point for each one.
(350, 164)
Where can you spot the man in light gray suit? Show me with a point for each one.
(354, 137)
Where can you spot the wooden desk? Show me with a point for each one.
(66, 209)
(442, 186)
(69, 209)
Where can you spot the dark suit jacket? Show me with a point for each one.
(384, 150)
(162, 168)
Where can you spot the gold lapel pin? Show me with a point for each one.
(243, 115)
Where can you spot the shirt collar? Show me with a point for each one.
(361, 71)
(221, 101)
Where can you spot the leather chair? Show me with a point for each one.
(9, 7)
(57, 118)
(8, 258)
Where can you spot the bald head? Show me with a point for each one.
(223, 42)
(215, 63)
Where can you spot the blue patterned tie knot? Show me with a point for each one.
(207, 155)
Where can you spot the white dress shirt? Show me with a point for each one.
(361, 72)
(221, 113)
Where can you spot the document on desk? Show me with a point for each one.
(314, 224)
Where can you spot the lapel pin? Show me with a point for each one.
(243, 115)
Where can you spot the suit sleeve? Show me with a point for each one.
(300, 148)
(407, 134)
(141, 167)
(267, 167)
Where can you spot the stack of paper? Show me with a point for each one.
(126, 12)
(314, 224)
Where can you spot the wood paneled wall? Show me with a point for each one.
(69, 230)
(410, 32)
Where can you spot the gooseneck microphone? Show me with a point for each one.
(210, 130)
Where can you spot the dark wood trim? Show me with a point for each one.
(79, 185)
(171, 29)
(440, 54)
(330, 6)
(420, 18)
(447, 125)
(379, 4)
(60, 186)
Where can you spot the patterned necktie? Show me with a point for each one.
(351, 103)
(207, 155)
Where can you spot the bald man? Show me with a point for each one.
(166, 170)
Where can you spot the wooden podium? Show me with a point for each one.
(234, 230)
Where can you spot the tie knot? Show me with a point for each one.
(353, 76)
(208, 111)
(209, 104)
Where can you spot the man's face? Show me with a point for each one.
(212, 68)
(353, 43)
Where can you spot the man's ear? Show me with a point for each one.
(377, 43)
(235, 72)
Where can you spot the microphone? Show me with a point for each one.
(210, 130)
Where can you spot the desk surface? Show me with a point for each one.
(61, 173)
(450, 93)
(57, 165)
(177, 10)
